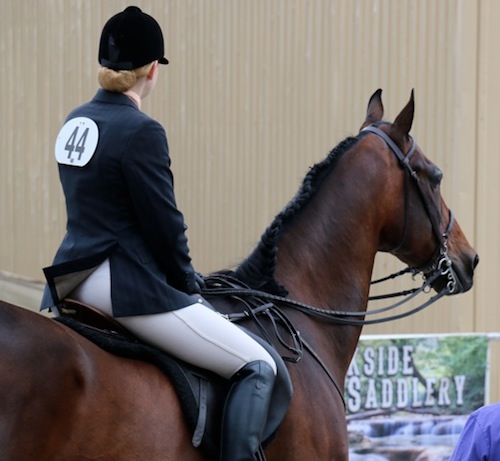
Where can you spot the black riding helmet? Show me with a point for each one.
(131, 39)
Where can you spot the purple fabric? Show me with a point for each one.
(480, 438)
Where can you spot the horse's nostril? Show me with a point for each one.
(476, 261)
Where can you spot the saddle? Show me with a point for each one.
(202, 393)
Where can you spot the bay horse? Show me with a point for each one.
(62, 398)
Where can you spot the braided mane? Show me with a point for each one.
(258, 269)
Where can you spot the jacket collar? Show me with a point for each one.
(110, 97)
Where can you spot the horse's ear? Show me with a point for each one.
(402, 125)
(375, 110)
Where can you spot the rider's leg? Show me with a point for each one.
(200, 336)
(246, 410)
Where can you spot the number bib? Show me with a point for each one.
(77, 141)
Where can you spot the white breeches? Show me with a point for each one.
(195, 334)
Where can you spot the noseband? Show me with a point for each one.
(440, 264)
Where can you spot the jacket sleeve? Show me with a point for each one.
(146, 167)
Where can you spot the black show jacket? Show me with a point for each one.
(121, 206)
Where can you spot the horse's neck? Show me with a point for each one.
(327, 259)
(330, 268)
(323, 254)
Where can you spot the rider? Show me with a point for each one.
(125, 251)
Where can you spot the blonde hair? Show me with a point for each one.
(120, 81)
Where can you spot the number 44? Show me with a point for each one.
(79, 146)
(77, 142)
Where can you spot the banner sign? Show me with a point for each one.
(442, 374)
(413, 393)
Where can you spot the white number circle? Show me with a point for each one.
(77, 141)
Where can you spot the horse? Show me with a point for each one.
(64, 398)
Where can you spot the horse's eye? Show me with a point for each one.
(436, 177)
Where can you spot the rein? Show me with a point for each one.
(335, 316)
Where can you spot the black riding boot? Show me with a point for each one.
(246, 410)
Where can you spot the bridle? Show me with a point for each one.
(440, 262)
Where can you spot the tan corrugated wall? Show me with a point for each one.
(256, 92)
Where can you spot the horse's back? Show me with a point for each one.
(63, 398)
